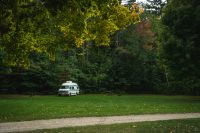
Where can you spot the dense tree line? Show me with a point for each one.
(127, 65)
(178, 49)
(99, 45)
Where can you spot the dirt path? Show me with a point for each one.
(85, 121)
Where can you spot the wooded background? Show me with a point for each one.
(104, 46)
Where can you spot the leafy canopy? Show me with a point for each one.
(42, 26)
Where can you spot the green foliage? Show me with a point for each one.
(33, 31)
(134, 67)
(25, 28)
(89, 66)
(42, 77)
(127, 65)
(39, 26)
(179, 49)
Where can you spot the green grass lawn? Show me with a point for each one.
(171, 126)
(18, 108)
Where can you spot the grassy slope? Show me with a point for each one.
(18, 108)
(172, 126)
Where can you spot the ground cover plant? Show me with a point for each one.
(171, 126)
(19, 108)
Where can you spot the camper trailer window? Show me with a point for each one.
(64, 87)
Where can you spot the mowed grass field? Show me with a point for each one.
(20, 107)
(170, 126)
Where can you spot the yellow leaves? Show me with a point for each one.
(122, 17)
(87, 35)
(64, 30)
(95, 23)
(141, 10)
(134, 6)
(105, 28)
(93, 10)
(79, 41)
(136, 12)
(102, 40)
(137, 8)
(136, 17)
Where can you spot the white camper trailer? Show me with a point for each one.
(68, 88)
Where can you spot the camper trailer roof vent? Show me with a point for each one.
(68, 81)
